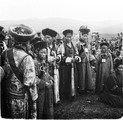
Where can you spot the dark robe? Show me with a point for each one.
(84, 70)
(65, 73)
(45, 94)
(104, 67)
(113, 94)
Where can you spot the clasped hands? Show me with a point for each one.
(72, 60)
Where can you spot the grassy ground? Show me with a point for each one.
(86, 107)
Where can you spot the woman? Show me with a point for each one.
(68, 67)
(104, 67)
(85, 82)
(44, 82)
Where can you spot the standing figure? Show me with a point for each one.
(53, 59)
(85, 82)
(44, 82)
(68, 69)
(18, 84)
(49, 37)
(104, 67)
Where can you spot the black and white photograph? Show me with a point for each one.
(61, 59)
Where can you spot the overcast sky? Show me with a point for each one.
(85, 10)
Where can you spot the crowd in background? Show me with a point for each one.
(39, 70)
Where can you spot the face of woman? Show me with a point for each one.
(43, 53)
(104, 49)
(83, 37)
(48, 39)
(68, 37)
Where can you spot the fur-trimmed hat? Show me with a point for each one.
(67, 31)
(104, 43)
(84, 30)
(21, 33)
(40, 45)
(49, 32)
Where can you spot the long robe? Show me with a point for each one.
(68, 75)
(113, 93)
(104, 67)
(84, 70)
(45, 94)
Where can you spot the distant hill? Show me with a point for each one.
(60, 24)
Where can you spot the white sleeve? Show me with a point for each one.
(61, 50)
(2, 73)
(50, 58)
(79, 59)
(86, 50)
(68, 60)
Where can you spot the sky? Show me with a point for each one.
(83, 10)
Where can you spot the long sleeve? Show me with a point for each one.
(61, 52)
(50, 58)
(30, 81)
(30, 76)
(2, 73)
(28, 71)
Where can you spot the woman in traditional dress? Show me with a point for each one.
(53, 59)
(44, 82)
(85, 82)
(104, 67)
(68, 69)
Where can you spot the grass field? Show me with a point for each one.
(86, 106)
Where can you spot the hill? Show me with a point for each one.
(60, 24)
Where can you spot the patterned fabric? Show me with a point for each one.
(16, 90)
(16, 107)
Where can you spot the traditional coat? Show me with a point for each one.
(45, 93)
(104, 67)
(113, 94)
(68, 71)
(84, 69)
(15, 91)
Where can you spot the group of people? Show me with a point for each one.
(40, 70)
